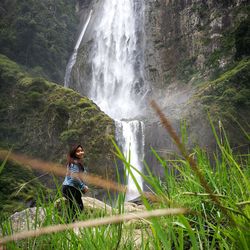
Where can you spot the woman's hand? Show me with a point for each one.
(85, 189)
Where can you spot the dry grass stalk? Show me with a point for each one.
(60, 170)
(93, 223)
(203, 194)
(167, 125)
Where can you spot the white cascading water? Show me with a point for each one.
(72, 59)
(115, 79)
(130, 135)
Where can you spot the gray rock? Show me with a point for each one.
(27, 219)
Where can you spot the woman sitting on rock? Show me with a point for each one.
(73, 186)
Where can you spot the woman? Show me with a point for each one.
(73, 186)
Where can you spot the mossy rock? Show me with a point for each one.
(42, 119)
(19, 188)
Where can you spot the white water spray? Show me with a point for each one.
(72, 59)
(116, 79)
(117, 85)
(131, 136)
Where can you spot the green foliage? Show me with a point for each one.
(38, 34)
(186, 69)
(84, 103)
(242, 39)
(208, 225)
(226, 49)
(39, 85)
(19, 188)
(42, 119)
(234, 42)
(229, 93)
(70, 136)
(10, 71)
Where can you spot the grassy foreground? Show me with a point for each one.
(217, 220)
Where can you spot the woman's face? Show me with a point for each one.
(79, 153)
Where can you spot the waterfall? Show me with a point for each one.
(117, 84)
(72, 59)
(130, 135)
(117, 77)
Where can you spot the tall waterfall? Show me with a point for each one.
(130, 135)
(117, 77)
(117, 84)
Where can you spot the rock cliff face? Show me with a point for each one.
(186, 41)
(187, 44)
(190, 39)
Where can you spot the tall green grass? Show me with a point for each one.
(209, 225)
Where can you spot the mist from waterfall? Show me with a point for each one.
(117, 76)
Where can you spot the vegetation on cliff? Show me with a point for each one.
(41, 119)
(215, 216)
(234, 44)
(19, 188)
(38, 117)
(213, 38)
(38, 34)
(219, 68)
(227, 99)
(230, 92)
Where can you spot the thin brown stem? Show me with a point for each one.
(60, 170)
(93, 223)
(165, 122)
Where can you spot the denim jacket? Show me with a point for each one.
(71, 180)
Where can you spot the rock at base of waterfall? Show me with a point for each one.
(28, 219)
(32, 218)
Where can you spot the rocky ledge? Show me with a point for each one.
(34, 217)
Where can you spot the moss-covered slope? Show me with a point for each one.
(41, 119)
(19, 188)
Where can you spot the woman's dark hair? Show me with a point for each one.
(71, 157)
(72, 151)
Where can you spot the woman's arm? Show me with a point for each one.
(74, 171)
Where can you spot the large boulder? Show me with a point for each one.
(92, 204)
(28, 219)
